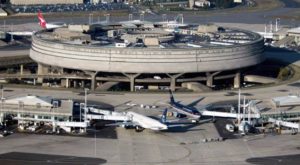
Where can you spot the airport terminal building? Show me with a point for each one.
(151, 55)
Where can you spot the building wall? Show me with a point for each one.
(150, 60)
(34, 2)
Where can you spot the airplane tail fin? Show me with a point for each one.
(42, 21)
(172, 100)
(164, 116)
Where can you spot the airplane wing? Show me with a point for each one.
(195, 102)
(202, 107)
(121, 124)
(183, 123)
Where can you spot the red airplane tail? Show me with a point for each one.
(42, 21)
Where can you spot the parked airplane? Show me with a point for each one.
(141, 122)
(46, 25)
(127, 120)
(188, 110)
(42, 23)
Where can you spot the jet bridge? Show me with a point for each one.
(229, 115)
(285, 123)
(108, 117)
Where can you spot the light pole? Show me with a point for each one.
(239, 107)
(85, 103)
(95, 143)
(2, 91)
(90, 18)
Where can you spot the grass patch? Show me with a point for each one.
(115, 13)
(260, 5)
(293, 15)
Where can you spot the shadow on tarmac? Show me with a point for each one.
(21, 158)
(271, 160)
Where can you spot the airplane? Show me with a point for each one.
(46, 25)
(142, 122)
(135, 120)
(127, 120)
(43, 24)
(188, 110)
(172, 26)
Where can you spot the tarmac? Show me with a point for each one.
(147, 147)
(181, 145)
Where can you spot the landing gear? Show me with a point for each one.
(126, 127)
(139, 128)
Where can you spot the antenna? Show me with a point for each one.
(265, 28)
(249, 114)
(180, 16)
(244, 108)
(277, 24)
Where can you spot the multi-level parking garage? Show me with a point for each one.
(148, 54)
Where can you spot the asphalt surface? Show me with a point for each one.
(183, 145)
(261, 17)
(21, 158)
(271, 160)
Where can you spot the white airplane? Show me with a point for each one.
(46, 25)
(173, 26)
(141, 122)
(21, 33)
(43, 24)
(127, 119)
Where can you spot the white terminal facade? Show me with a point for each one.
(147, 53)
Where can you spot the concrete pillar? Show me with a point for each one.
(53, 123)
(173, 84)
(19, 116)
(82, 83)
(93, 82)
(132, 78)
(237, 80)
(35, 117)
(173, 80)
(191, 4)
(210, 78)
(21, 69)
(1, 118)
(67, 83)
(93, 75)
(42, 69)
(74, 83)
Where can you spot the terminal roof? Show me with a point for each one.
(31, 100)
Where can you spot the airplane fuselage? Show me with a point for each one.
(146, 122)
(189, 111)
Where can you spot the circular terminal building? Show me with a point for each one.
(148, 55)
